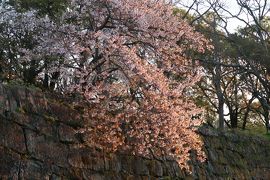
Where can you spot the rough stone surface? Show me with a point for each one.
(39, 140)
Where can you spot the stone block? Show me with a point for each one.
(156, 168)
(140, 167)
(12, 136)
(66, 134)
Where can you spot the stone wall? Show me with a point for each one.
(39, 139)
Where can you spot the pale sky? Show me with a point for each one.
(232, 6)
(233, 24)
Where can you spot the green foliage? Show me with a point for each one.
(250, 48)
(50, 118)
(20, 83)
(20, 110)
(53, 8)
(255, 129)
(182, 12)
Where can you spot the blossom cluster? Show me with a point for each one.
(123, 57)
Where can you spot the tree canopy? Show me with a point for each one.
(128, 59)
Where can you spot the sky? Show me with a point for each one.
(232, 6)
(233, 24)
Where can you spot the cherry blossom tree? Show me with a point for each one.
(127, 58)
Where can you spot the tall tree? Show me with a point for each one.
(128, 59)
(243, 54)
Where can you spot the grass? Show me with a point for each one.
(20, 84)
(257, 129)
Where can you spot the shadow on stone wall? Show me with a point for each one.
(39, 139)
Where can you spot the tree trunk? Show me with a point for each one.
(54, 79)
(246, 113)
(217, 81)
(266, 118)
(233, 118)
